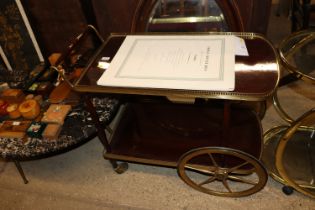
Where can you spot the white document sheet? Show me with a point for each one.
(240, 47)
(204, 62)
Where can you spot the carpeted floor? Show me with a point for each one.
(82, 179)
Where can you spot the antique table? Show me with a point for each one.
(208, 136)
(77, 129)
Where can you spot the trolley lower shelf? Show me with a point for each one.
(159, 134)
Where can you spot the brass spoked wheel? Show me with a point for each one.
(222, 171)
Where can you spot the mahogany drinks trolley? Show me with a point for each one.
(213, 138)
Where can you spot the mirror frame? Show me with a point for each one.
(229, 9)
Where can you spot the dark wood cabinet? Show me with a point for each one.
(55, 23)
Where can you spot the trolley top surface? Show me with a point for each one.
(256, 75)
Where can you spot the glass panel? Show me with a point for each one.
(187, 16)
(299, 52)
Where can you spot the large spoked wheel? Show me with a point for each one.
(222, 171)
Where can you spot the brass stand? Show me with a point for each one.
(289, 149)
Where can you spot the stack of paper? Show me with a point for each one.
(204, 62)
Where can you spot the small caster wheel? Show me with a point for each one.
(121, 168)
(287, 190)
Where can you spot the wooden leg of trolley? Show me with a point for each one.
(118, 167)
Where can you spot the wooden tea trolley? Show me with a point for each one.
(213, 138)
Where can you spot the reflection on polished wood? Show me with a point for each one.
(256, 76)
